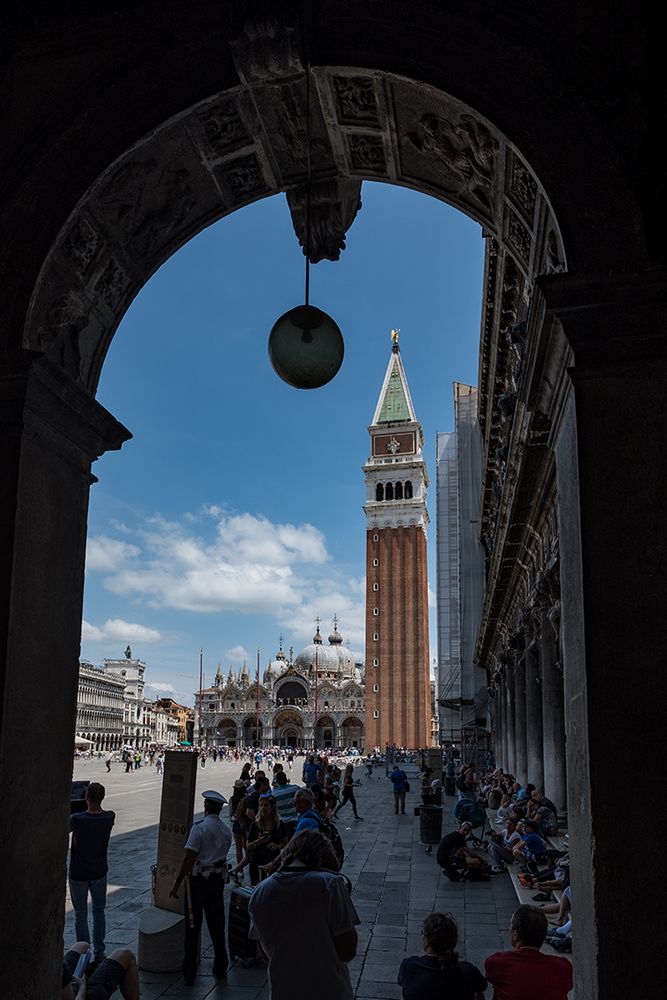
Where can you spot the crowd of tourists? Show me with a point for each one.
(521, 819)
(283, 829)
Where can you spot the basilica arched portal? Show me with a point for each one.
(288, 728)
(539, 127)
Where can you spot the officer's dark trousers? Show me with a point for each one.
(207, 900)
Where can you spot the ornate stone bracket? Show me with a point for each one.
(334, 204)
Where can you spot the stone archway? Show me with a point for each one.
(226, 732)
(91, 206)
(252, 732)
(325, 732)
(288, 728)
(351, 732)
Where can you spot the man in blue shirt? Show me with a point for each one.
(88, 866)
(303, 803)
(399, 780)
(531, 847)
(312, 771)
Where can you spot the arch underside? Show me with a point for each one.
(248, 143)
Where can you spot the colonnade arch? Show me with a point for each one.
(484, 114)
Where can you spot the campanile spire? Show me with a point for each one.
(398, 701)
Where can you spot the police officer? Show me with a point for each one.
(205, 868)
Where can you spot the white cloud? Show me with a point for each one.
(237, 655)
(108, 554)
(164, 688)
(118, 630)
(249, 565)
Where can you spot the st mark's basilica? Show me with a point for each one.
(316, 699)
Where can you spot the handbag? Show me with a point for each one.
(407, 786)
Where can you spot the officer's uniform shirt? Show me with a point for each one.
(211, 839)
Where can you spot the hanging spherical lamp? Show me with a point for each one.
(306, 347)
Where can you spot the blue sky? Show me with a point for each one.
(235, 513)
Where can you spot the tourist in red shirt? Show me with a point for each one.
(525, 973)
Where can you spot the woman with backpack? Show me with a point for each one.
(348, 792)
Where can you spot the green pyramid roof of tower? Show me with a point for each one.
(395, 404)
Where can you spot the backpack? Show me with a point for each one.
(473, 813)
(239, 812)
(330, 831)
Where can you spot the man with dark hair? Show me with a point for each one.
(283, 792)
(312, 771)
(399, 780)
(88, 866)
(205, 868)
(525, 973)
(305, 921)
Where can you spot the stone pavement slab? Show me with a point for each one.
(395, 885)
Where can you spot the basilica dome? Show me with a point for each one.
(325, 656)
(335, 660)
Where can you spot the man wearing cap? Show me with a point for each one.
(205, 867)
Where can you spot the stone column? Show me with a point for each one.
(500, 748)
(510, 763)
(535, 759)
(611, 465)
(553, 719)
(51, 432)
(521, 756)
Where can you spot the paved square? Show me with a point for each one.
(395, 885)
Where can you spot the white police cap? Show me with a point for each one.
(213, 796)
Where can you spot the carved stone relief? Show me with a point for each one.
(367, 153)
(242, 178)
(553, 258)
(356, 103)
(222, 129)
(59, 335)
(81, 246)
(467, 154)
(146, 201)
(522, 188)
(112, 284)
(518, 235)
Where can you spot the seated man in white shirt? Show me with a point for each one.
(502, 845)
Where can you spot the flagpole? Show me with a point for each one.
(257, 700)
(316, 701)
(201, 688)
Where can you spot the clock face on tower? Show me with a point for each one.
(393, 445)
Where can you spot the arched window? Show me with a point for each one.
(398, 493)
(389, 492)
(408, 490)
(379, 491)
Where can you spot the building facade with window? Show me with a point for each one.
(315, 700)
(99, 708)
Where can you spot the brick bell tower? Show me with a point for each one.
(398, 692)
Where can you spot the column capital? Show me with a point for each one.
(40, 400)
(611, 319)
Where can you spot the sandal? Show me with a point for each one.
(543, 897)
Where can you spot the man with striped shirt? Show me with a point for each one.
(284, 793)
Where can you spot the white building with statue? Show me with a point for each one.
(316, 699)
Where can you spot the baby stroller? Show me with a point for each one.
(468, 811)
